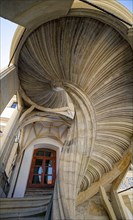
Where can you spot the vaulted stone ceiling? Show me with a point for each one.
(91, 63)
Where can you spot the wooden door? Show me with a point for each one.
(43, 169)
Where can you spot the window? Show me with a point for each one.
(43, 168)
(14, 105)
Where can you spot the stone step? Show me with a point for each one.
(38, 192)
(32, 207)
(23, 207)
(27, 218)
(26, 202)
(30, 218)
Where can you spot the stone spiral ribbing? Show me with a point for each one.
(91, 63)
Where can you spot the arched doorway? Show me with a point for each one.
(43, 169)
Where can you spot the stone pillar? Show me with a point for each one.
(74, 157)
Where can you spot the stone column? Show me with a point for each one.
(74, 157)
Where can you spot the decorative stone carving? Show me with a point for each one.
(94, 63)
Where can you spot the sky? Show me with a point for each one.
(8, 29)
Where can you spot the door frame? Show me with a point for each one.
(22, 176)
(43, 174)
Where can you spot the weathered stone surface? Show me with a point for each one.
(8, 77)
(91, 209)
(93, 64)
(30, 13)
(84, 59)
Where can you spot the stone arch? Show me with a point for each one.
(26, 162)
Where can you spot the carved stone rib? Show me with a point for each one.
(91, 63)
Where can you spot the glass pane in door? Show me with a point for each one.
(36, 179)
(48, 170)
(36, 170)
(48, 180)
(48, 153)
(38, 162)
(40, 153)
(48, 163)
